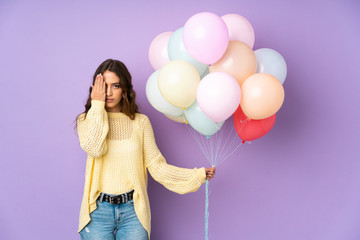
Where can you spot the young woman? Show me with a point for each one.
(121, 148)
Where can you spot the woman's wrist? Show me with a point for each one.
(97, 104)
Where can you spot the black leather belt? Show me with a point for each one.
(117, 199)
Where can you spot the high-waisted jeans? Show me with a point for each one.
(109, 222)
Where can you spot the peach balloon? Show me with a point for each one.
(239, 61)
(261, 96)
(179, 119)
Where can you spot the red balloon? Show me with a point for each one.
(251, 129)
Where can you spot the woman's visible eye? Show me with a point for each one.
(117, 86)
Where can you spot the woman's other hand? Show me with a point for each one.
(210, 172)
(98, 89)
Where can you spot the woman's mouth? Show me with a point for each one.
(109, 100)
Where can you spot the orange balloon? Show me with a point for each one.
(261, 96)
(239, 61)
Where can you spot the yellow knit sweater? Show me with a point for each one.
(120, 150)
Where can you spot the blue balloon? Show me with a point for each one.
(271, 62)
(177, 51)
(200, 122)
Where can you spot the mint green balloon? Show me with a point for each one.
(177, 51)
(200, 122)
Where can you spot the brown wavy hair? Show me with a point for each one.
(128, 105)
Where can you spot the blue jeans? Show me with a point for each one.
(107, 218)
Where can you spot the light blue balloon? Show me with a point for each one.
(177, 51)
(200, 122)
(271, 62)
(157, 100)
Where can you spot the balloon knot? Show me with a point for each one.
(243, 142)
(207, 137)
(187, 122)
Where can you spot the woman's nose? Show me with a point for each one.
(108, 91)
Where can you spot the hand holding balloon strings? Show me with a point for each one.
(210, 173)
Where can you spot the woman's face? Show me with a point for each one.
(113, 92)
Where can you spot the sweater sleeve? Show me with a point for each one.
(176, 179)
(93, 129)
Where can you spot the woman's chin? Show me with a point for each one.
(112, 106)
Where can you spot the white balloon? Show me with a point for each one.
(218, 96)
(271, 62)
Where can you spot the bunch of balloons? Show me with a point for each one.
(207, 71)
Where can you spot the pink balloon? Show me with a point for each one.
(240, 29)
(205, 37)
(158, 53)
(218, 96)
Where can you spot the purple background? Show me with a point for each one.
(301, 181)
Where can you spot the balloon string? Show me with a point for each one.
(207, 210)
(216, 150)
(232, 143)
(218, 139)
(223, 141)
(199, 141)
